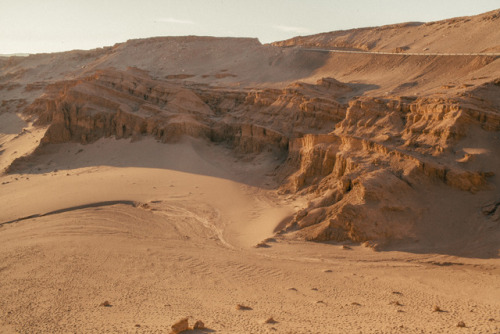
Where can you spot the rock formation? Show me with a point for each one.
(371, 155)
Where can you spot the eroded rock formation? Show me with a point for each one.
(370, 162)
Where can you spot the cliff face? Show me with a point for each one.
(383, 155)
(126, 104)
(363, 163)
(368, 175)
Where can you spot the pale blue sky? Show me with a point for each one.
(60, 25)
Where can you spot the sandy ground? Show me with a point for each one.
(169, 238)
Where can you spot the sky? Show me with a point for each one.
(35, 26)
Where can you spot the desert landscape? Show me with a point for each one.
(345, 182)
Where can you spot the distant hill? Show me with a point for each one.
(15, 55)
(469, 34)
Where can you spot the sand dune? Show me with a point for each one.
(103, 172)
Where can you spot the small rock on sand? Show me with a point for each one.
(243, 307)
(199, 325)
(461, 324)
(270, 321)
(395, 303)
(180, 326)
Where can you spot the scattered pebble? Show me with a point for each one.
(397, 303)
(262, 245)
(106, 304)
(180, 326)
(397, 293)
(243, 307)
(345, 247)
(199, 325)
(314, 289)
(356, 304)
(293, 289)
(270, 321)
(436, 309)
(327, 271)
(461, 324)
